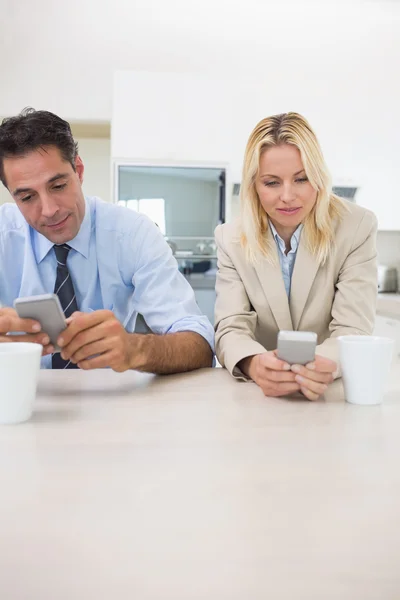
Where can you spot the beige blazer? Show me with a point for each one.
(336, 299)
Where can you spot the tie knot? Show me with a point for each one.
(62, 253)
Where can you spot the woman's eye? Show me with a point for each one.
(301, 180)
(270, 183)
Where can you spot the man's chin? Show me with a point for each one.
(58, 237)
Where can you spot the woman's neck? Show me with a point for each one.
(285, 233)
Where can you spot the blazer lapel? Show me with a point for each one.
(304, 272)
(270, 277)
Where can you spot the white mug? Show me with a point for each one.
(365, 361)
(19, 370)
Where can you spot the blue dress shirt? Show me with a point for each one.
(118, 261)
(287, 260)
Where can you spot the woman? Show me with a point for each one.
(299, 258)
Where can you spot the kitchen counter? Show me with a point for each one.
(388, 305)
(193, 486)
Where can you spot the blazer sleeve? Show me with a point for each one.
(354, 305)
(235, 319)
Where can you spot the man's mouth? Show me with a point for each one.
(57, 225)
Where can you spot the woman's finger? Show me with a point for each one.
(309, 394)
(269, 361)
(313, 386)
(313, 375)
(322, 364)
(278, 376)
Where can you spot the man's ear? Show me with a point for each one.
(79, 167)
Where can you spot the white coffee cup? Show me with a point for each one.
(19, 370)
(365, 361)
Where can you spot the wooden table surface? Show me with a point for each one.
(195, 486)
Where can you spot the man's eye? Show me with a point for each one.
(26, 198)
(59, 187)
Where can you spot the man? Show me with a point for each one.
(106, 263)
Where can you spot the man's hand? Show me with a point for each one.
(96, 340)
(315, 377)
(272, 375)
(10, 322)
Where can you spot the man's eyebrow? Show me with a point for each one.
(58, 176)
(22, 190)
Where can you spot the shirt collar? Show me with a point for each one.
(294, 240)
(80, 242)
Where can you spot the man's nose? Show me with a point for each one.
(49, 206)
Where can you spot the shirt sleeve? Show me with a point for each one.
(161, 293)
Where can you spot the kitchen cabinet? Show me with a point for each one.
(204, 291)
(205, 299)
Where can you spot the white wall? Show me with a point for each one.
(96, 157)
(197, 118)
(4, 195)
(191, 206)
(388, 244)
(97, 179)
(61, 56)
(342, 55)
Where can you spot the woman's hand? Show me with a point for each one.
(314, 378)
(272, 375)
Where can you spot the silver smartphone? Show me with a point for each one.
(47, 310)
(297, 347)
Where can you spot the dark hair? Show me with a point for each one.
(33, 129)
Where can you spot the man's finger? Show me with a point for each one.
(40, 338)
(10, 323)
(47, 350)
(97, 362)
(82, 338)
(92, 349)
(82, 322)
(73, 316)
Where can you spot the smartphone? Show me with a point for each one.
(47, 310)
(297, 347)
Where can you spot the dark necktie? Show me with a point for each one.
(65, 291)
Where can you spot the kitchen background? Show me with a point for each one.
(163, 103)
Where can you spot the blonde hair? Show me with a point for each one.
(289, 128)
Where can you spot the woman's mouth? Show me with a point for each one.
(289, 211)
